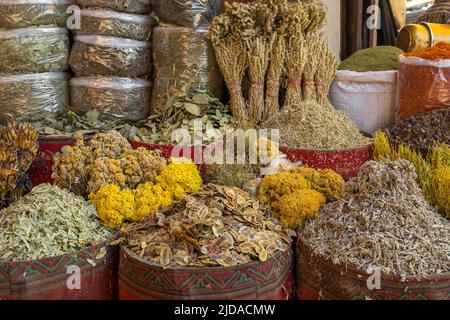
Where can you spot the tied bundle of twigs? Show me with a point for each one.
(325, 73)
(313, 43)
(317, 12)
(296, 60)
(277, 57)
(258, 60)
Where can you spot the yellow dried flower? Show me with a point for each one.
(181, 176)
(275, 186)
(327, 182)
(114, 206)
(296, 208)
(106, 171)
(148, 198)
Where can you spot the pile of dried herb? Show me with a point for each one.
(115, 24)
(383, 221)
(110, 56)
(382, 58)
(423, 131)
(185, 111)
(113, 97)
(313, 126)
(129, 6)
(217, 226)
(32, 50)
(46, 223)
(22, 14)
(32, 96)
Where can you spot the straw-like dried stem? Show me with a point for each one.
(313, 44)
(296, 59)
(325, 73)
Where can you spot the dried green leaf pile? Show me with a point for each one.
(129, 6)
(46, 223)
(183, 111)
(217, 226)
(383, 221)
(312, 126)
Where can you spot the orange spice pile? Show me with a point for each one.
(441, 51)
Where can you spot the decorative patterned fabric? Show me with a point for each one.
(438, 13)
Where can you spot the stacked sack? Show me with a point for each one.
(111, 58)
(182, 54)
(34, 52)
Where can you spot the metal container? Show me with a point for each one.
(414, 37)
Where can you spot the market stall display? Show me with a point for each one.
(113, 97)
(16, 14)
(115, 24)
(31, 96)
(182, 56)
(110, 56)
(423, 81)
(31, 50)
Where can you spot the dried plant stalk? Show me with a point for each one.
(258, 60)
(313, 41)
(232, 63)
(325, 73)
(297, 53)
(274, 73)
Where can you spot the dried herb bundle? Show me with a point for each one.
(217, 226)
(48, 222)
(33, 13)
(114, 24)
(129, 6)
(183, 56)
(296, 59)
(180, 112)
(29, 97)
(110, 56)
(113, 97)
(32, 50)
(314, 47)
(325, 73)
(383, 221)
(18, 147)
(312, 126)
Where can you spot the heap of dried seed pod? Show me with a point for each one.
(217, 226)
(383, 221)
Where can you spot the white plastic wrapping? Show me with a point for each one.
(115, 24)
(130, 6)
(110, 56)
(367, 97)
(27, 13)
(32, 96)
(113, 97)
(32, 50)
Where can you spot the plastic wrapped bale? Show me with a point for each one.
(115, 24)
(110, 56)
(187, 13)
(32, 96)
(130, 6)
(33, 50)
(27, 13)
(183, 56)
(113, 97)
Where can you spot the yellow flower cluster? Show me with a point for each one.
(297, 195)
(327, 182)
(116, 205)
(180, 177)
(433, 171)
(295, 208)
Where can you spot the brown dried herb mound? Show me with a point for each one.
(217, 226)
(383, 221)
